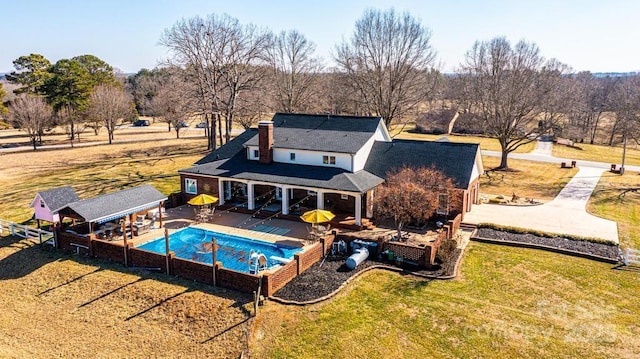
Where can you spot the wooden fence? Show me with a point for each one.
(24, 231)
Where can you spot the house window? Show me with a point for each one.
(256, 154)
(190, 186)
(42, 203)
(443, 204)
(329, 160)
(292, 156)
(344, 196)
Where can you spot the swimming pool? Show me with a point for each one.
(232, 251)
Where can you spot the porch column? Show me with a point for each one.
(220, 191)
(285, 199)
(319, 199)
(358, 209)
(251, 204)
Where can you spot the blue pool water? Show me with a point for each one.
(233, 251)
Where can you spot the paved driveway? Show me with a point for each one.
(565, 214)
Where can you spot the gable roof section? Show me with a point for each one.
(230, 149)
(456, 160)
(116, 205)
(239, 167)
(331, 133)
(57, 198)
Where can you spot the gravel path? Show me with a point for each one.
(599, 249)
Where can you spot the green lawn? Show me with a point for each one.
(606, 202)
(507, 303)
(486, 143)
(598, 153)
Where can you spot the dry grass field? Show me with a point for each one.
(538, 180)
(59, 305)
(93, 170)
(600, 153)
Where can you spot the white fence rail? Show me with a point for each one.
(631, 257)
(24, 231)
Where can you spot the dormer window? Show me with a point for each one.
(292, 156)
(329, 160)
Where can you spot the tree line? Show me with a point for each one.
(225, 73)
(78, 93)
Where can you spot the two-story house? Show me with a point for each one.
(298, 162)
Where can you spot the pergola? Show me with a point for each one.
(121, 204)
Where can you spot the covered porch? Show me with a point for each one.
(285, 201)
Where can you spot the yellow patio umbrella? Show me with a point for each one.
(202, 200)
(317, 216)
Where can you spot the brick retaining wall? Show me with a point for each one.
(146, 259)
(307, 258)
(274, 281)
(200, 272)
(66, 240)
(231, 279)
(192, 270)
(108, 251)
(454, 225)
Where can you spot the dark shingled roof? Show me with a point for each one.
(110, 206)
(342, 134)
(284, 173)
(57, 198)
(230, 149)
(456, 160)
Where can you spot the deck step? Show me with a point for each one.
(468, 226)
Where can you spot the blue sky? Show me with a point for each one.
(599, 36)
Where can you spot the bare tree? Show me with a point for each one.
(592, 99)
(413, 195)
(388, 60)
(294, 70)
(31, 114)
(252, 107)
(625, 102)
(514, 90)
(73, 121)
(223, 56)
(112, 105)
(173, 103)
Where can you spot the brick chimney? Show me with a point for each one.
(265, 141)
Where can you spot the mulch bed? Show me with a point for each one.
(322, 279)
(586, 247)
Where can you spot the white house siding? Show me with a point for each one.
(250, 151)
(304, 157)
(478, 168)
(360, 158)
(311, 158)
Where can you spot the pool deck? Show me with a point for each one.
(294, 233)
